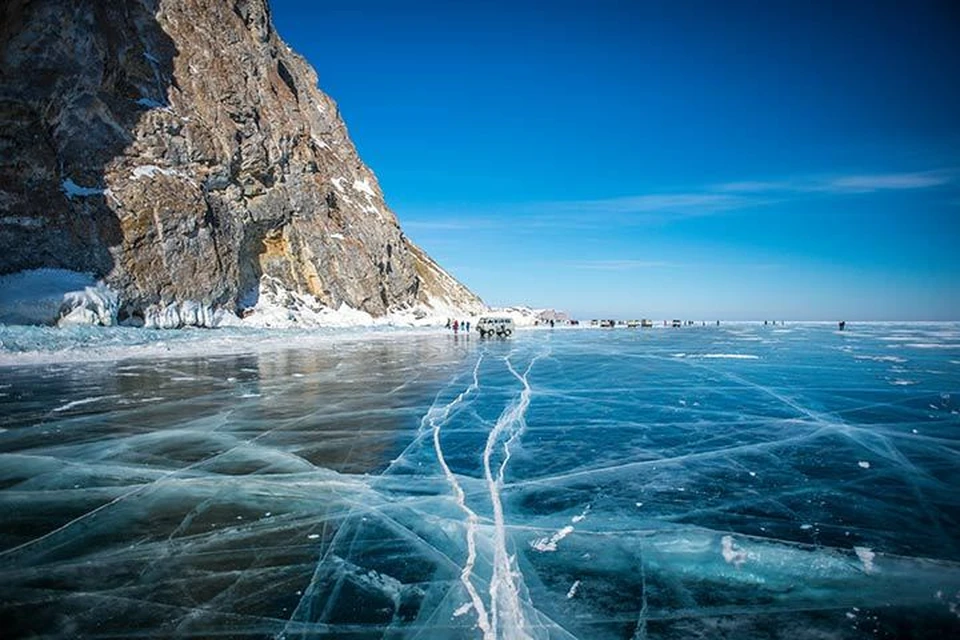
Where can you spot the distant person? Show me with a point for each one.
(843, 325)
(448, 323)
(456, 326)
(466, 326)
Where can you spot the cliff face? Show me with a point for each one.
(180, 150)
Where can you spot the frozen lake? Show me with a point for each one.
(742, 481)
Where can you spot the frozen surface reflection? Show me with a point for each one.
(742, 481)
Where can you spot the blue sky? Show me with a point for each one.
(708, 160)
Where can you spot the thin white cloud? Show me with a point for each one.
(460, 224)
(849, 184)
(754, 186)
(879, 182)
(685, 203)
(653, 208)
(620, 265)
(630, 264)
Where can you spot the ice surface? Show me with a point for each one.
(422, 485)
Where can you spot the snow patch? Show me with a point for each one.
(150, 103)
(151, 170)
(573, 589)
(863, 464)
(278, 307)
(74, 190)
(363, 186)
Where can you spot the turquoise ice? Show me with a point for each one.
(756, 481)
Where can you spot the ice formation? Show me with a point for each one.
(413, 483)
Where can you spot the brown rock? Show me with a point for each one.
(180, 150)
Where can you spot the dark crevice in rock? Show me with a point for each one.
(287, 79)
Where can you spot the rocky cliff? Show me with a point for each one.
(181, 151)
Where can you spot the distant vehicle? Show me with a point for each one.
(646, 324)
(608, 324)
(633, 324)
(495, 326)
(677, 324)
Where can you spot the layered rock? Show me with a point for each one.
(181, 151)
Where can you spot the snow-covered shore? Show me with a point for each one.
(54, 315)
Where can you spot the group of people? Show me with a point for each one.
(457, 325)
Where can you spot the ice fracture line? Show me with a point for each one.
(436, 419)
(506, 615)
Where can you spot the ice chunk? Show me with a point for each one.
(866, 556)
(731, 552)
(188, 313)
(550, 543)
(40, 296)
(93, 305)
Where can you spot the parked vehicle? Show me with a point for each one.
(495, 326)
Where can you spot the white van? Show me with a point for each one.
(491, 326)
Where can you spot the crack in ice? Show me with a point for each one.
(504, 591)
(436, 422)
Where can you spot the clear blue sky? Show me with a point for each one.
(693, 159)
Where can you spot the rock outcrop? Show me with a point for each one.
(180, 150)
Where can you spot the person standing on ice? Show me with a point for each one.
(456, 326)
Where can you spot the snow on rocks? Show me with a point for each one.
(150, 171)
(73, 190)
(363, 186)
